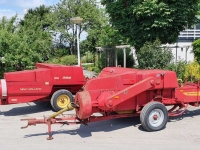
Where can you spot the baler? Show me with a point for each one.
(48, 82)
(122, 92)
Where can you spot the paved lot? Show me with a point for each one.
(181, 133)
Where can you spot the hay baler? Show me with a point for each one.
(123, 92)
(48, 82)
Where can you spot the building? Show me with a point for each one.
(182, 49)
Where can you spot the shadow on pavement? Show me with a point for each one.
(112, 125)
(187, 113)
(30, 109)
(105, 126)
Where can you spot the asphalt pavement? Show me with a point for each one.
(181, 133)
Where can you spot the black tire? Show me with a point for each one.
(56, 97)
(154, 116)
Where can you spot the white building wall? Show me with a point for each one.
(182, 51)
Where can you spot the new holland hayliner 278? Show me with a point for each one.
(122, 92)
(48, 82)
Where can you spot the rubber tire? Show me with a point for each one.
(144, 116)
(56, 94)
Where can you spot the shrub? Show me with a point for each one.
(196, 49)
(152, 55)
(192, 72)
(179, 68)
(65, 60)
(95, 69)
(88, 57)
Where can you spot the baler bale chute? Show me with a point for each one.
(123, 92)
(48, 82)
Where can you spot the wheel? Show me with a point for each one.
(154, 116)
(60, 99)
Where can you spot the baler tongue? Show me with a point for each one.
(33, 121)
(52, 120)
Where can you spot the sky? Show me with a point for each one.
(10, 8)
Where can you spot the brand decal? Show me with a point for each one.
(13, 99)
(191, 93)
(30, 89)
(66, 77)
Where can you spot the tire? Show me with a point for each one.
(154, 116)
(60, 99)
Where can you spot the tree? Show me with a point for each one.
(199, 7)
(196, 49)
(43, 15)
(8, 39)
(7, 30)
(152, 56)
(27, 42)
(94, 38)
(64, 29)
(142, 21)
(110, 37)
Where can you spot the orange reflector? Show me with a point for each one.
(116, 97)
(132, 81)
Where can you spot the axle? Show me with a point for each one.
(70, 119)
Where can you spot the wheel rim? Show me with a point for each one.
(156, 117)
(63, 100)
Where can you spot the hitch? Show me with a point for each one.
(67, 119)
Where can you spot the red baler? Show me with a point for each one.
(123, 92)
(55, 83)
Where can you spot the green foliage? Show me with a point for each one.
(91, 67)
(110, 37)
(95, 69)
(179, 68)
(41, 14)
(7, 37)
(142, 21)
(86, 66)
(192, 72)
(25, 43)
(102, 60)
(187, 72)
(198, 7)
(129, 58)
(88, 57)
(59, 52)
(94, 33)
(64, 30)
(152, 55)
(196, 49)
(120, 58)
(65, 60)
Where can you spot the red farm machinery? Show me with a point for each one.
(121, 92)
(48, 82)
